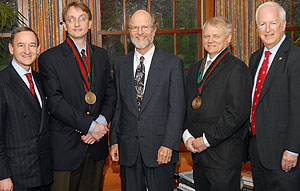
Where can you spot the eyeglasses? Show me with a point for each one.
(145, 28)
(82, 18)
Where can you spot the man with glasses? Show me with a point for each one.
(81, 97)
(146, 128)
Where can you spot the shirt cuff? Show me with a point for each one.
(101, 119)
(186, 135)
(92, 127)
(205, 140)
(295, 154)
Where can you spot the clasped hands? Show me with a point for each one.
(195, 145)
(99, 131)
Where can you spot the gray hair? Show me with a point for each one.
(219, 20)
(282, 13)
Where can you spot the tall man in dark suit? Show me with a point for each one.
(275, 121)
(25, 152)
(81, 97)
(146, 128)
(219, 90)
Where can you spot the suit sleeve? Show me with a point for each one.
(177, 106)
(237, 109)
(5, 171)
(59, 107)
(108, 104)
(117, 115)
(293, 131)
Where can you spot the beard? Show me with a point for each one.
(142, 44)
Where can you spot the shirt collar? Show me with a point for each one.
(20, 70)
(147, 55)
(276, 47)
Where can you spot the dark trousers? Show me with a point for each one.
(211, 179)
(87, 177)
(139, 176)
(39, 188)
(271, 180)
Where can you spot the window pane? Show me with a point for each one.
(133, 5)
(187, 48)
(8, 27)
(165, 42)
(112, 15)
(114, 44)
(186, 14)
(288, 35)
(5, 56)
(296, 14)
(164, 12)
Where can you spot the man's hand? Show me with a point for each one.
(164, 155)
(99, 131)
(88, 139)
(189, 146)
(199, 145)
(114, 152)
(288, 161)
(6, 185)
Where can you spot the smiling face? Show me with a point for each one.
(141, 31)
(215, 39)
(77, 23)
(270, 27)
(24, 49)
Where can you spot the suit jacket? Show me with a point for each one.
(277, 114)
(70, 114)
(25, 153)
(160, 121)
(225, 108)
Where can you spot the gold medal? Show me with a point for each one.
(90, 98)
(196, 102)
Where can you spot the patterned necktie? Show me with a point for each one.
(259, 84)
(84, 56)
(139, 82)
(31, 85)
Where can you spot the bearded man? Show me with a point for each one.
(147, 126)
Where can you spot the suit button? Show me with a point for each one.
(88, 113)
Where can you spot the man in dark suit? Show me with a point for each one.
(81, 97)
(275, 70)
(25, 154)
(218, 104)
(146, 128)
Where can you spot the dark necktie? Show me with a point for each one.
(259, 84)
(31, 85)
(84, 56)
(139, 82)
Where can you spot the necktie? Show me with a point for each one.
(139, 82)
(206, 66)
(259, 84)
(31, 85)
(84, 56)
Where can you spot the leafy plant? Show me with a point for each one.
(9, 18)
(297, 42)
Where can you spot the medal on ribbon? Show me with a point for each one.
(197, 101)
(86, 71)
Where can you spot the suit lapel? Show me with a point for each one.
(254, 66)
(72, 67)
(277, 62)
(154, 74)
(20, 88)
(42, 95)
(129, 78)
(215, 73)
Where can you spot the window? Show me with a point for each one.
(292, 8)
(179, 29)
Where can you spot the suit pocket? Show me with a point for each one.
(160, 130)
